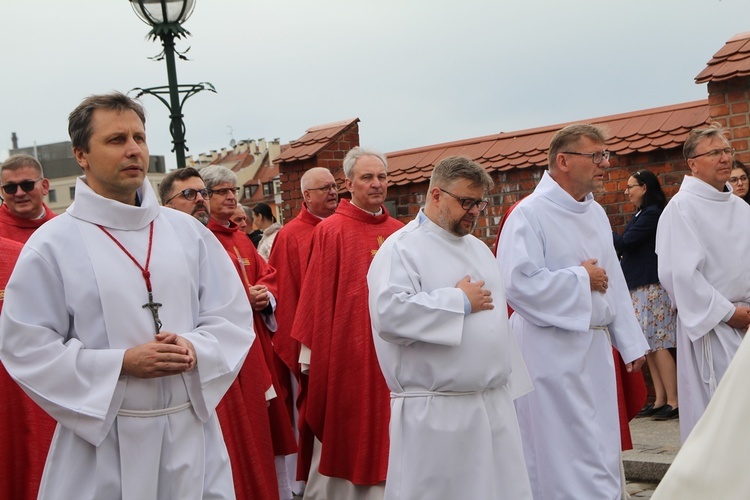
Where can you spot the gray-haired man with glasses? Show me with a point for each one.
(702, 246)
(23, 188)
(564, 281)
(183, 189)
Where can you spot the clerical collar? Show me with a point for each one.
(41, 216)
(374, 214)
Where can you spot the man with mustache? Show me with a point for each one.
(23, 188)
(447, 353)
(347, 404)
(183, 189)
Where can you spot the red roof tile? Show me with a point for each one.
(637, 131)
(315, 139)
(732, 61)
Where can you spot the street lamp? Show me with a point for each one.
(165, 18)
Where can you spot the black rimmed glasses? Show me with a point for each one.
(716, 153)
(12, 187)
(190, 194)
(738, 180)
(596, 157)
(224, 191)
(326, 188)
(628, 187)
(468, 203)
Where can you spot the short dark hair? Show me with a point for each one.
(79, 120)
(654, 194)
(264, 211)
(181, 174)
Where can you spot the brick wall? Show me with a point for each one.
(729, 104)
(512, 185)
(330, 157)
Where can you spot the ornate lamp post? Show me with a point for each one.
(165, 18)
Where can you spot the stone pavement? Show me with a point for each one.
(655, 445)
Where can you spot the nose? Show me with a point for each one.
(199, 197)
(474, 210)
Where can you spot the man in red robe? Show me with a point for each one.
(260, 283)
(23, 188)
(25, 429)
(348, 403)
(242, 412)
(289, 256)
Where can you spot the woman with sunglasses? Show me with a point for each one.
(636, 248)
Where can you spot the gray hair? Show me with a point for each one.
(698, 135)
(453, 168)
(19, 161)
(305, 179)
(216, 174)
(569, 136)
(358, 152)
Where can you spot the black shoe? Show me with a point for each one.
(666, 412)
(648, 410)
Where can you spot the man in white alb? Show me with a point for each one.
(126, 322)
(447, 353)
(571, 303)
(703, 264)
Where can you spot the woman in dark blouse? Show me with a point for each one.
(636, 247)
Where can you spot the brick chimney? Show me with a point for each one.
(728, 78)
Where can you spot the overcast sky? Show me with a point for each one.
(416, 72)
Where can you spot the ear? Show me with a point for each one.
(691, 165)
(433, 195)
(81, 158)
(45, 187)
(562, 162)
(348, 184)
(306, 196)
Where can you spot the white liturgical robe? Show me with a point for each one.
(453, 376)
(74, 304)
(703, 264)
(569, 424)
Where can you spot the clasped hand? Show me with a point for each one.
(168, 354)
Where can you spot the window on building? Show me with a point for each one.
(72, 192)
(267, 188)
(52, 196)
(277, 186)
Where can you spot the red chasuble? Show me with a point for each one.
(18, 229)
(348, 402)
(254, 270)
(289, 256)
(25, 429)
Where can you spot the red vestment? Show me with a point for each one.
(289, 256)
(254, 270)
(18, 229)
(25, 429)
(348, 402)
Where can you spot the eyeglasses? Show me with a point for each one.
(738, 180)
(224, 191)
(596, 158)
(468, 203)
(190, 194)
(325, 188)
(12, 187)
(715, 153)
(631, 186)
